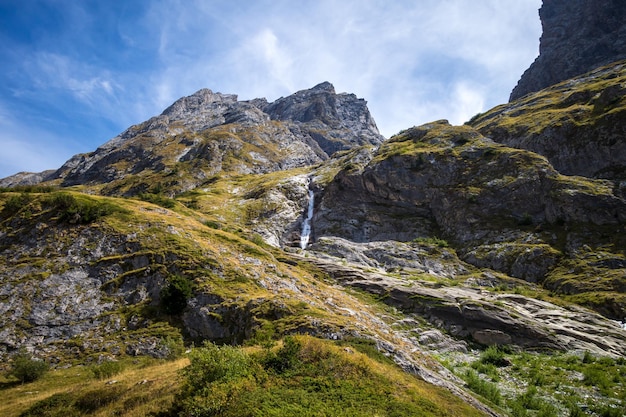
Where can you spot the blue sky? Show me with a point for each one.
(74, 74)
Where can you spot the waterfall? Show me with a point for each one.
(306, 226)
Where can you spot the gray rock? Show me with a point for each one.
(578, 36)
(486, 317)
(213, 132)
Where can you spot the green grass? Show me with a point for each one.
(299, 376)
(536, 384)
(305, 376)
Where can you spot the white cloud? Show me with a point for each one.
(85, 83)
(413, 62)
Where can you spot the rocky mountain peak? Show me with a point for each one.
(324, 86)
(207, 132)
(578, 36)
(200, 101)
(320, 106)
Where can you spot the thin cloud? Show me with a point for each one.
(413, 62)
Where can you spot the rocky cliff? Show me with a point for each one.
(578, 36)
(578, 125)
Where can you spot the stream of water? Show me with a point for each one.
(305, 235)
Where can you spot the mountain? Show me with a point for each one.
(578, 124)
(208, 133)
(578, 36)
(447, 270)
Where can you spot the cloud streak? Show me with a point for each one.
(413, 62)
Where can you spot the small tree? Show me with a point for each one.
(27, 369)
(175, 294)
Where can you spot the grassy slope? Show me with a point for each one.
(327, 380)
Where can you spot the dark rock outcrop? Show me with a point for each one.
(451, 180)
(578, 36)
(579, 125)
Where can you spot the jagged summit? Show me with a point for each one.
(206, 133)
(578, 36)
(197, 101)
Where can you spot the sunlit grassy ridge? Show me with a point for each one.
(303, 376)
(585, 100)
(140, 387)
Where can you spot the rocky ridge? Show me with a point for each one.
(578, 36)
(578, 125)
(207, 133)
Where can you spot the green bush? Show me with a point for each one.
(77, 210)
(212, 224)
(175, 294)
(174, 346)
(495, 356)
(107, 369)
(158, 199)
(27, 369)
(483, 388)
(285, 359)
(15, 203)
(91, 401)
(211, 380)
(57, 405)
(434, 241)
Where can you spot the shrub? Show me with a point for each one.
(495, 356)
(481, 387)
(57, 405)
(286, 358)
(596, 376)
(158, 199)
(212, 224)
(91, 401)
(212, 363)
(173, 346)
(434, 241)
(27, 369)
(107, 369)
(175, 294)
(15, 203)
(79, 210)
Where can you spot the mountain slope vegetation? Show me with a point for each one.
(430, 254)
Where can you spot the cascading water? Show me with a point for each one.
(306, 226)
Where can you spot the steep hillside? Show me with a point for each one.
(462, 255)
(502, 208)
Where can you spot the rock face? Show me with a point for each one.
(319, 108)
(578, 36)
(488, 318)
(579, 125)
(439, 178)
(501, 208)
(207, 133)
